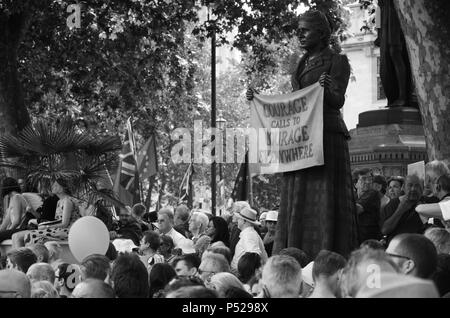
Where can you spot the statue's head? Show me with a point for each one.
(314, 28)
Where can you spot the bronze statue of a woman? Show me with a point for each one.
(317, 206)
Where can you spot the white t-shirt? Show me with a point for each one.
(445, 208)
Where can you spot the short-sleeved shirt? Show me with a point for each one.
(249, 242)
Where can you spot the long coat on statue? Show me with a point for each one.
(317, 208)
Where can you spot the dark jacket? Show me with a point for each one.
(337, 66)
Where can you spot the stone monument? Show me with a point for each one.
(389, 139)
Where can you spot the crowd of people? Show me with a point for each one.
(177, 252)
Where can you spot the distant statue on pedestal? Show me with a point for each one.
(395, 69)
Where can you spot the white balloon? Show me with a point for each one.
(87, 236)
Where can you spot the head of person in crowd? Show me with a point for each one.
(281, 277)
(198, 224)
(363, 179)
(413, 254)
(441, 276)
(138, 210)
(433, 170)
(326, 272)
(440, 238)
(68, 276)
(262, 219)
(372, 243)
(361, 264)
(379, 184)
(160, 275)
(41, 271)
(42, 253)
(14, 284)
(43, 289)
(246, 218)
(237, 207)
(218, 230)
(22, 184)
(211, 264)
(186, 265)
(150, 243)
(129, 277)
(271, 221)
(395, 186)
(165, 220)
(125, 216)
(61, 186)
(302, 258)
(220, 249)
(21, 259)
(182, 281)
(166, 246)
(182, 213)
(221, 282)
(413, 188)
(247, 266)
(441, 187)
(54, 251)
(96, 266)
(93, 288)
(193, 292)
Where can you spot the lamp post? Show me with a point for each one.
(213, 107)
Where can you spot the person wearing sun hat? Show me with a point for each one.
(271, 224)
(249, 239)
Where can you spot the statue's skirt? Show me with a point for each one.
(317, 208)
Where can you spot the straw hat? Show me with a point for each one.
(248, 215)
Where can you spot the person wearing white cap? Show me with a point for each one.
(271, 224)
(249, 239)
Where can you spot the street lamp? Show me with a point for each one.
(211, 6)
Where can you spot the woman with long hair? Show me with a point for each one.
(218, 231)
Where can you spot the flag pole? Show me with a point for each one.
(141, 191)
(112, 187)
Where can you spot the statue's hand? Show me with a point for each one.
(326, 81)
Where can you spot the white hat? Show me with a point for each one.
(186, 246)
(248, 215)
(263, 216)
(124, 246)
(272, 216)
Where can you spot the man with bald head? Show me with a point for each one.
(14, 284)
(93, 288)
(413, 254)
(41, 271)
(399, 215)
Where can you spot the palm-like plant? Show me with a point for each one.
(62, 151)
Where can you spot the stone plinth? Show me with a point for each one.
(387, 140)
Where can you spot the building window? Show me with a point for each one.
(380, 90)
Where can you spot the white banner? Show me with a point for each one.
(288, 131)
